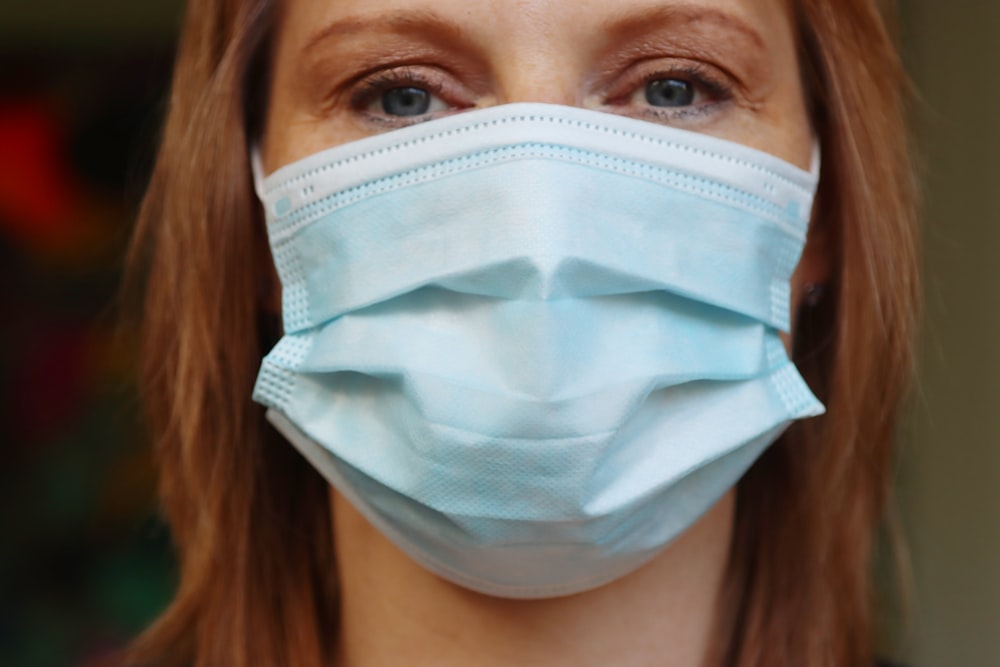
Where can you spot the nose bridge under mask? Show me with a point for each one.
(349, 205)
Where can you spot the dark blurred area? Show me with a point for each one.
(84, 560)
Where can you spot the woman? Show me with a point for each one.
(766, 568)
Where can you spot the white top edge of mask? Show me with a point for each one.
(341, 167)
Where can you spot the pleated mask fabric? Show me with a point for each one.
(531, 343)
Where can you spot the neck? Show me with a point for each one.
(395, 612)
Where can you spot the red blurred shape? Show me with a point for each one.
(38, 194)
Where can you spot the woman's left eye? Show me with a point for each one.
(671, 93)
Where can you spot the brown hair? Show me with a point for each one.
(250, 518)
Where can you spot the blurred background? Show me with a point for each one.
(84, 561)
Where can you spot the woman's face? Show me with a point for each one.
(347, 69)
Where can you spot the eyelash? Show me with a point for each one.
(706, 83)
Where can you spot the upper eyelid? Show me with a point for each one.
(417, 74)
(374, 84)
(387, 79)
(621, 93)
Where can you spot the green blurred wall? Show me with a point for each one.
(950, 491)
(87, 24)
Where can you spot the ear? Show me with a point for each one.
(811, 280)
(815, 269)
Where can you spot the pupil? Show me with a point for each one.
(669, 93)
(406, 101)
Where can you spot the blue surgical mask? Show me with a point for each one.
(532, 344)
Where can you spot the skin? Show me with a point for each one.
(334, 63)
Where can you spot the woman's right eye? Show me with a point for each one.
(405, 95)
(670, 92)
(407, 101)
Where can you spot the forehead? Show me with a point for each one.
(489, 21)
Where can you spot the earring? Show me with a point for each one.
(814, 293)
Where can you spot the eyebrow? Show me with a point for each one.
(394, 21)
(629, 24)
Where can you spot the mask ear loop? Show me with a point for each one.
(257, 167)
(809, 307)
(816, 162)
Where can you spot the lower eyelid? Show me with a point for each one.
(676, 114)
